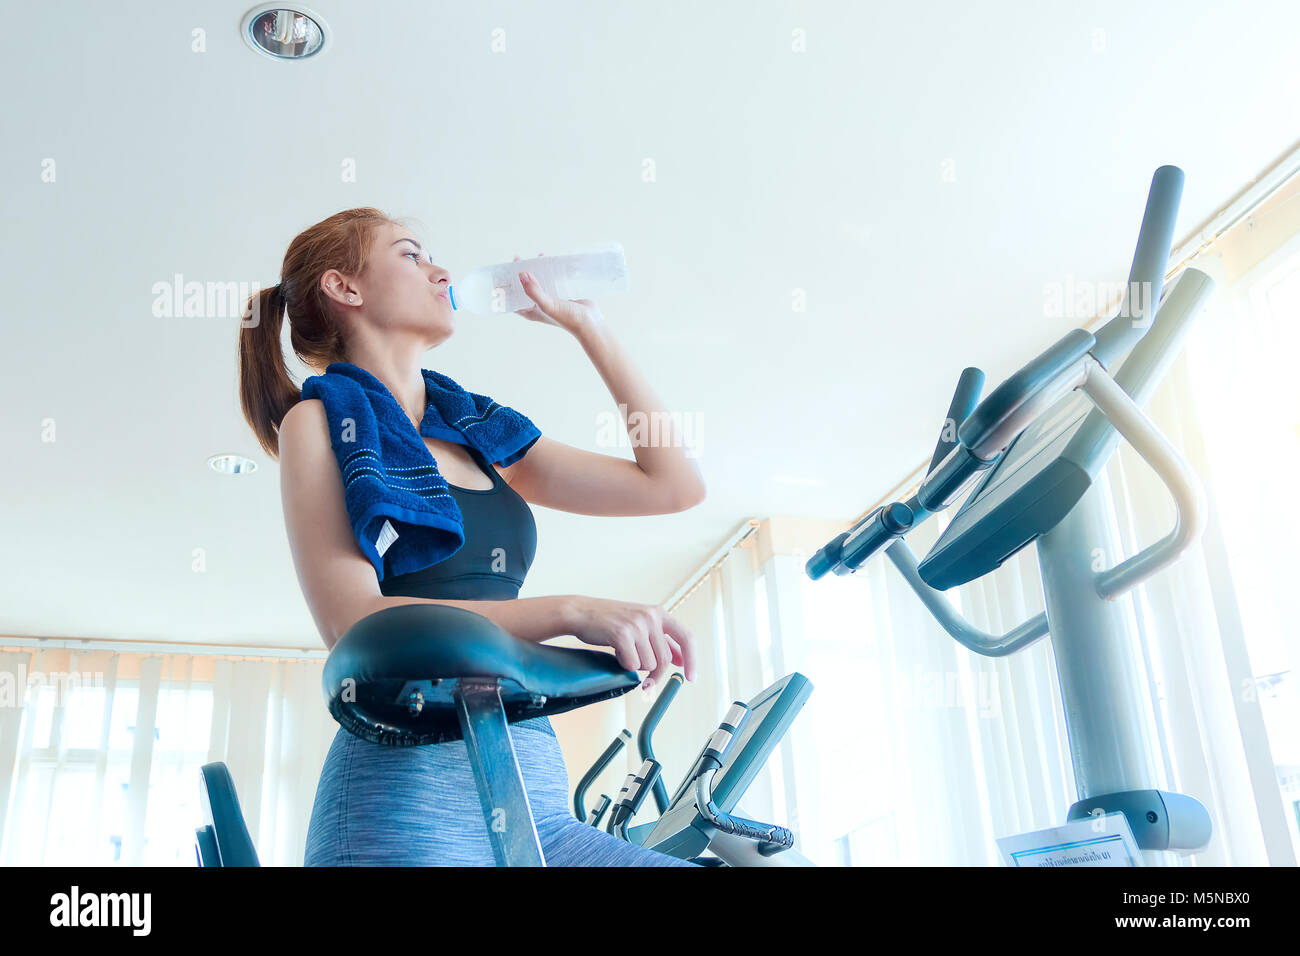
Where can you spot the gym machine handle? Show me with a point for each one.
(645, 733)
(1147, 274)
(618, 800)
(580, 792)
(964, 400)
(848, 551)
(599, 813)
(951, 469)
(769, 837)
(632, 796)
(1190, 507)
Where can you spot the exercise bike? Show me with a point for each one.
(704, 815)
(420, 674)
(1036, 445)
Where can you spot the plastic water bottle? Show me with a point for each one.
(581, 274)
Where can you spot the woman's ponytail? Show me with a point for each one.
(266, 390)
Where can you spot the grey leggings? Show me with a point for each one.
(418, 806)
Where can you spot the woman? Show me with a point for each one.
(359, 289)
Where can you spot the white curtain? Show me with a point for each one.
(99, 753)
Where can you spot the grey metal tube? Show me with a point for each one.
(580, 792)
(1102, 687)
(497, 776)
(964, 399)
(1148, 363)
(1147, 274)
(962, 630)
(645, 733)
(1189, 496)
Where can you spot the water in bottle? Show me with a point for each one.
(584, 273)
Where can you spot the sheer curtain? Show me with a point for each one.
(100, 750)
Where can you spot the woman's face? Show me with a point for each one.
(402, 288)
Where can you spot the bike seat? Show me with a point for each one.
(392, 677)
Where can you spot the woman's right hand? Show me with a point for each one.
(644, 637)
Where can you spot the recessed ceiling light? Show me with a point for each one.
(285, 33)
(232, 464)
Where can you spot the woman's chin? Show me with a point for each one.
(442, 326)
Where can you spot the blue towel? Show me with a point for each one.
(398, 504)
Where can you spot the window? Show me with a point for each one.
(76, 806)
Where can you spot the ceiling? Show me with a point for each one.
(921, 174)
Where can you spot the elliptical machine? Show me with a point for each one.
(1036, 445)
(699, 817)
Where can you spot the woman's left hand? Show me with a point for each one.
(572, 315)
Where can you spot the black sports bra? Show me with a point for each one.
(500, 544)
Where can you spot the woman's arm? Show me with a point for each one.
(662, 480)
(665, 462)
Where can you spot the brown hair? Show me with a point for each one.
(266, 390)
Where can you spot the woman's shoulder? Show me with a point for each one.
(304, 431)
(307, 416)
